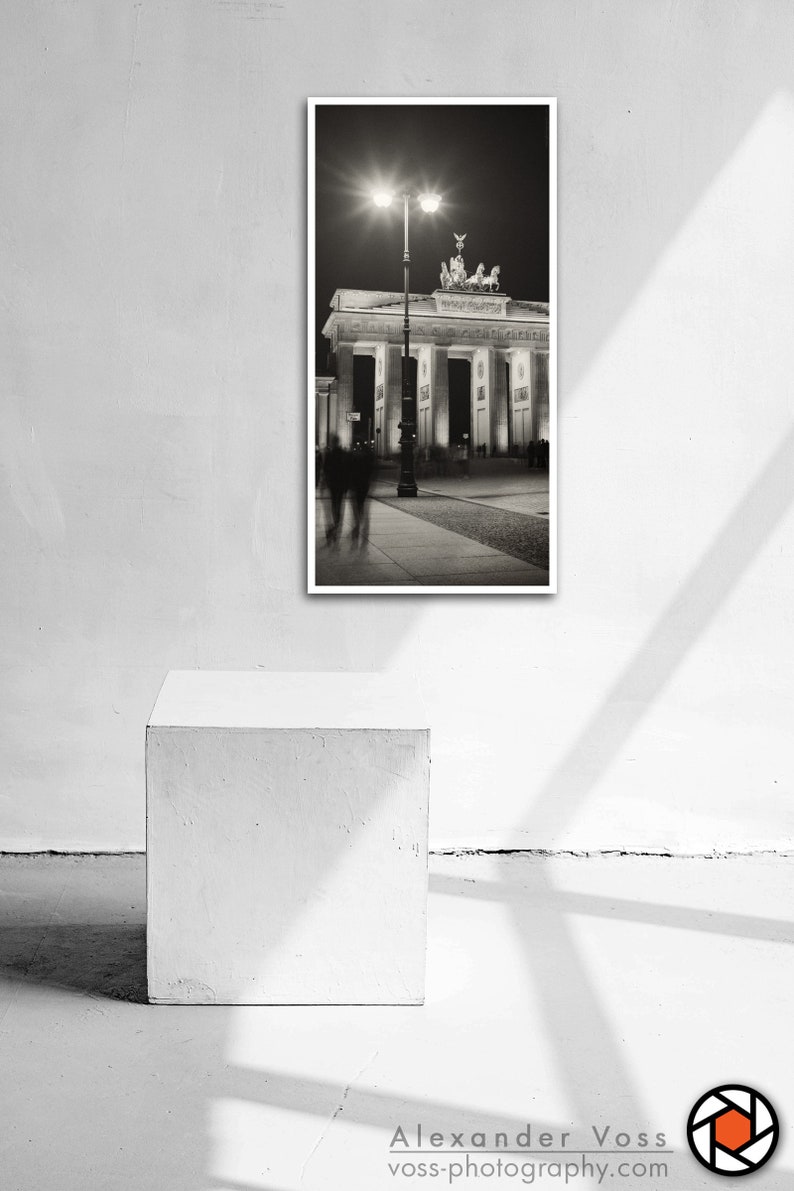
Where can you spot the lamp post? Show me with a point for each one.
(407, 484)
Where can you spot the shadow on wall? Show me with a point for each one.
(646, 163)
(592, 1059)
(688, 615)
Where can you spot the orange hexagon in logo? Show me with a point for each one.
(732, 1130)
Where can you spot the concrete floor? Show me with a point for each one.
(566, 993)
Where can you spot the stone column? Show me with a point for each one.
(321, 418)
(520, 401)
(392, 413)
(424, 397)
(439, 395)
(499, 411)
(380, 353)
(344, 392)
(540, 395)
(480, 400)
(331, 424)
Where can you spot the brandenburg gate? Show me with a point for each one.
(506, 342)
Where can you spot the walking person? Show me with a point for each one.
(362, 468)
(336, 474)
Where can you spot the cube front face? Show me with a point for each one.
(286, 866)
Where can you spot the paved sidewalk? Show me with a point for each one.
(400, 550)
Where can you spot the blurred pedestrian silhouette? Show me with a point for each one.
(348, 473)
(361, 472)
(336, 475)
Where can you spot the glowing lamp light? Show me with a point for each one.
(429, 202)
(407, 424)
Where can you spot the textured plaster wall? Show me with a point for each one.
(153, 409)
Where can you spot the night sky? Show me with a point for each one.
(490, 164)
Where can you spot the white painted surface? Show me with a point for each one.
(286, 864)
(153, 410)
(254, 699)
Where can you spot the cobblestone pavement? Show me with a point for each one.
(531, 504)
(514, 534)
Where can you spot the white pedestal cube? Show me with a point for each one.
(287, 839)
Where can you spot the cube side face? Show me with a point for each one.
(286, 866)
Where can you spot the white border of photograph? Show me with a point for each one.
(470, 589)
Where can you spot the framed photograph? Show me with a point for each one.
(432, 348)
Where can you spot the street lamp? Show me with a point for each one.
(407, 484)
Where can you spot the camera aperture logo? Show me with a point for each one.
(732, 1130)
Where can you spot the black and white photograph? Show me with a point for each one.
(432, 452)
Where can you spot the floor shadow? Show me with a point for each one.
(100, 1087)
(236, 1185)
(594, 1061)
(593, 1055)
(374, 1108)
(103, 960)
(717, 922)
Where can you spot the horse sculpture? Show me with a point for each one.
(454, 276)
(491, 282)
(477, 280)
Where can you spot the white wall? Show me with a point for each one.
(152, 506)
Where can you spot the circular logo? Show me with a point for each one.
(732, 1130)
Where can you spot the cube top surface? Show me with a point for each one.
(257, 699)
